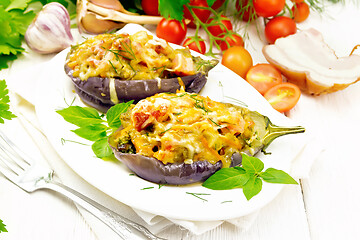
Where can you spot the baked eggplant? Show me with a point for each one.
(181, 138)
(112, 68)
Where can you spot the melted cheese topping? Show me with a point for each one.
(186, 127)
(138, 56)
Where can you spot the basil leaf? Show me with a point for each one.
(101, 148)
(92, 132)
(113, 114)
(80, 116)
(252, 164)
(272, 175)
(227, 178)
(252, 187)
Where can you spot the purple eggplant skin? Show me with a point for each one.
(153, 170)
(95, 91)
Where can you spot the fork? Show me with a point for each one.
(30, 176)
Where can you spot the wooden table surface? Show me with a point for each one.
(326, 205)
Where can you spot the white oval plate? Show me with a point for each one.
(191, 202)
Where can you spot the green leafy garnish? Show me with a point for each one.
(2, 227)
(14, 20)
(95, 127)
(172, 9)
(249, 177)
(4, 103)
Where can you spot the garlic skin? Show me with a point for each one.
(50, 32)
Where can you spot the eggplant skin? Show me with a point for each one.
(153, 170)
(95, 91)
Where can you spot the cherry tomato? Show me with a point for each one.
(279, 27)
(190, 43)
(263, 76)
(218, 29)
(283, 97)
(300, 11)
(171, 30)
(230, 41)
(150, 7)
(237, 59)
(246, 10)
(297, 1)
(217, 4)
(268, 8)
(202, 14)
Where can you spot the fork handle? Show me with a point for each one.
(119, 224)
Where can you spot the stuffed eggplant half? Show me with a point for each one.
(112, 68)
(181, 138)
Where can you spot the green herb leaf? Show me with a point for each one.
(2, 227)
(80, 116)
(18, 4)
(101, 148)
(227, 178)
(252, 164)
(249, 177)
(113, 114)
(252, 187)
(5, 113)
(273, 175)
(172, 9)
(210, 2)
(92, 132)
(93, 127)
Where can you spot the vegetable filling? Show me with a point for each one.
(185, 127)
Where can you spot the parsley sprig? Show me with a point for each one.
(94, 126)
(5, 112)
(2, 227)
(249, 177)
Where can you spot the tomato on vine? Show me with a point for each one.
(280, 26)
(230, 41)
(194, 45)
(268, 8)
(171, 30)
(217, 4)
(300, 11)
(150, 7)
(246, 10)
(238, 59)
(202, 14)
(217, 29)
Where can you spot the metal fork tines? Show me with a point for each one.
(29, 175)
(19, 168)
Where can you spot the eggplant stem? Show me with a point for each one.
(274, 131)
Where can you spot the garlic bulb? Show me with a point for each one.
(50, 30)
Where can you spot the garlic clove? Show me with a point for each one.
(91, 24)
(107, 13)
(50, 31)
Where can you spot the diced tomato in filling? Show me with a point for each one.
(146, 112)
(139, 119)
